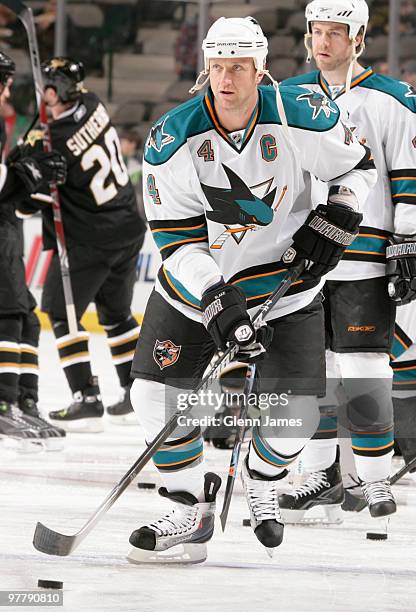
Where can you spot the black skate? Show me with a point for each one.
(322, 489)
(354, 500)
(16, 431)
(181, 535)
(379, 498)
(52, 437)
(122, 412)
(262, 500)
(85, 414)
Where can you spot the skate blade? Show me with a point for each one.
(54, 444)
(329, 515)
(93, 425)
(269, 551)
(181, 553)
(123, 419)
(23, 446)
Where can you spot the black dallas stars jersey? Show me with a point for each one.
(381, 112)
(98, 201)
(219, 209)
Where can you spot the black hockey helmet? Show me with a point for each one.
(65, 76)
(7, 68)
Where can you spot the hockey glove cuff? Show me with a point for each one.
(39, 168)
(323, 238)
(225, 316)
(401, 268)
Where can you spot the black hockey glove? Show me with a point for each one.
(401, 268)
(226, 318)
(39, 168)
(323, 238)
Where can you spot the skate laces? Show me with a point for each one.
(176, 522)
(378, 491)
(263, 499)
(314, 484)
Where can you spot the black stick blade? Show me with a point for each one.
(51, 542)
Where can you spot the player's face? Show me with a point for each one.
(331, 45)
(5, 91)
(234, 83)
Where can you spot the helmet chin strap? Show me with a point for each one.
(201, 81)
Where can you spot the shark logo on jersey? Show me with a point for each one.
(412, 90)
(319, 103)
(166, 353)
(240, 208)
(158, 138)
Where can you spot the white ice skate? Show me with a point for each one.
(181, 535)
(262, 500)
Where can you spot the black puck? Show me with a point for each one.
(246, 523)
(50, 584)
(146, 485)
(370, 535)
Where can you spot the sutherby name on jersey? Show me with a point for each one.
(89, 132)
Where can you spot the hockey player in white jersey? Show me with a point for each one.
(360, 314)
(226, 192)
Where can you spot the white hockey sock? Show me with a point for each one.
(371, 469)
(288, 450)
(275, 447)
(149, 400)
(319, 454)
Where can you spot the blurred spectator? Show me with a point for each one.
(131, 145)
(45, 26)
(7, 24)
(407, 17)
(186, 52)
(408, 72)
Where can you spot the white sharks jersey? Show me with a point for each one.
(218, 209)
(381, 112)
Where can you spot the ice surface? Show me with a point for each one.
(316, 568)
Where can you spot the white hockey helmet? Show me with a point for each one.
(354, 13)
(232, 37)
(235, 37)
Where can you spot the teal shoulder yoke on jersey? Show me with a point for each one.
(400, 90)
(307, 110)
(173, 129)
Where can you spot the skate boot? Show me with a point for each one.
(52, 437)
(354, 500)
(16, 432)
(322, 489)
(379, 498)
(122, 413)
(181, 535)
(85, 414)
(262, 500)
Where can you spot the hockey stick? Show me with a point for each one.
(53, 543)
(403, 471)
(24, 13)
(239, 438)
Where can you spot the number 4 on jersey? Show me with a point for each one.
(152, 189)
